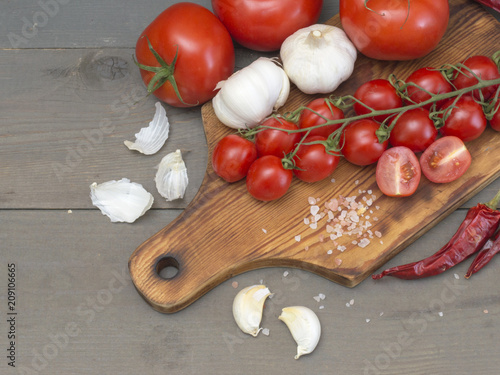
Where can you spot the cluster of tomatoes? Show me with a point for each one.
(305, 149)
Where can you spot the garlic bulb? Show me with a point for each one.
(304, 326)
(248, 306)
(149, 140)
(318, 58)
(251, 94)
(171, 178)
(121, 201)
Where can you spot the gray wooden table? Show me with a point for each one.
(69, 97)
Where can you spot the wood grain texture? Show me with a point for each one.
(211, 241)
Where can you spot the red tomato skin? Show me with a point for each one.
(467, 121)
(276, 142)
(232, 157)
(414, 129)
(398, 172)
(267, 180)
(495, 120)
(264, 25)
(309, 119)
(453, 151)
(360, 143)
(205, 53)
(313, 162)
(384, 30)
(430, 80)
(378, 94)
(485, 68)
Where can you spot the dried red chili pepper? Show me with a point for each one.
(478, 226)
(490, 248)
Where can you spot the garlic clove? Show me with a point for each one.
(150, 139)
(248, 306)
(121, 201)
(304, 326)
(171, 178)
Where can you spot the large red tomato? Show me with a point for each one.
(263, 25)
(196, 47)
(397, 29)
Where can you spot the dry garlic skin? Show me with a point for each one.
(304, 326)
(248, 306)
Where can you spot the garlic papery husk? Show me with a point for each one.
(171, 178)
(150, 139)
(248, 306)
(318, 58)
(121, 201)
(304, 326)
(251, 94)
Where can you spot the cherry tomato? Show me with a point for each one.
(360, 143)
(483, 67)
(313, 162)
(264, 25)
(430, 80)
(398, 172)
(308, 118)
(394, 30)
(378, 94)
(466, 119)
(232, 157)
(267, 179)
(204, 50)
(414, 129)
(445, 160)
(495, 120)
(276, 142)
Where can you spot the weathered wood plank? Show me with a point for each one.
(91, 24)
(75, 281)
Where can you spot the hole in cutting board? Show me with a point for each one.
(167, 268)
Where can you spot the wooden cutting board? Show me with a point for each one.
(224, 231)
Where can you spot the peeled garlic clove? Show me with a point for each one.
(149, 140)
(171, 178)
(121, 201)
(304, 326)
(248, 306)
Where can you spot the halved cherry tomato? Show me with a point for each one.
(377, 94)
(398, 172)
(414, 129)
(267, 179)
(466, 119)
(232, 157)
(483, 67)
(313, 162)
(276, 142)
(430, 80)
(308, 118)
(360, 142)
(445, 160)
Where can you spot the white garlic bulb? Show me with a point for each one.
(248, 306)
(251, 94)
(304, 326)
(171, 178)
(149, 140)
(121, 201)
(318, 58)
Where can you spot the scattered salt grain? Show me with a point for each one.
(235, 284)
(311, 200)
(70, 212)
(317, 299)
(485, 311)
(367, 320)
(264, 230)
(313, 226)
(364, 243)
(351, 302)
(356, 182)
(440, 313)
(456, 276)
(332, 180)
(265, 331)
(322, 296)
(314, 210)
(348, 304)
(338, 261)
(378, 234)
(382, 313)
(321, 307)
(297, 238)
(329, 252)
(285, 274)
